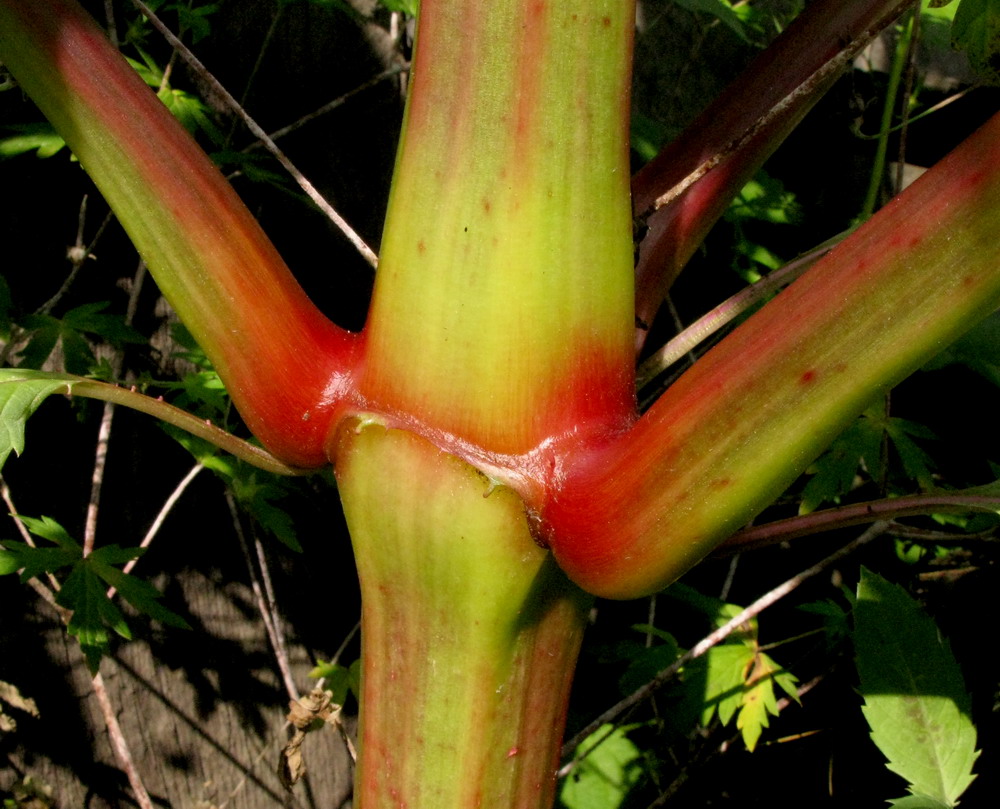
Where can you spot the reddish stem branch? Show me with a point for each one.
(845, 516)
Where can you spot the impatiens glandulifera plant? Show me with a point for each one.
(483, 429)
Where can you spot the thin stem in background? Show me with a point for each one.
(899, 59)
(807, 88)
(122, 751)
(47, 594)
(908, 79)
(280, 647)
(195, 64)
(710, 640)
(109, 19)
(758, 536)
(729, 310)
(268, 36)
(107, 417)
(339, 101)
(266, 608)
(167, 507)
(77, 255)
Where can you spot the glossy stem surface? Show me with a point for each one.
(470, 632)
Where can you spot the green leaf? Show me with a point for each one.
(759, 701)
(337, 679)
(727, 666)
(47, 528)
(918, 802)
(833, 473)
(917, 464)
(976, 30)
(764, 199)
(38, 138)
(978, 349)
(720, 9)
(915, 700)
(21, 392)
(83, 592)
(140, 594)
(604, 777)
(403, 6)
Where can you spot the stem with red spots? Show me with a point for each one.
(502, 311)
(736, 429)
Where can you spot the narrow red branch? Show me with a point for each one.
(832, 519)
(682, 192)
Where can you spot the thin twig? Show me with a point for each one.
(713, 639)
(268, 611)
(343, 645)
(122, 752)
(107, 417)
(47, 594)
(830, 519)
(168, 505)
(109, 16)
(729, 310)
(195, 64)
(280, 647)
(330, 105)
(97, 478)
(78, 254)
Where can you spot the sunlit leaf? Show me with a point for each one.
(915, 699)
(605, 776)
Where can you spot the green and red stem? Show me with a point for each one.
(736, 429)
(744, 126)
(285, 364)
(470, 632)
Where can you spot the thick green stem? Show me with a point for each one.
(469, 631)
(502, 310)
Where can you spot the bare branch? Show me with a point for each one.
(122, 752)
(195, 64)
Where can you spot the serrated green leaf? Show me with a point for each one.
(915, 699)
(47, 528)
(35, 561)
(139, 593)
(727, 666)
(605, 776)
(84, 593)
(10, 562)
(759, 701)
(918, 802)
